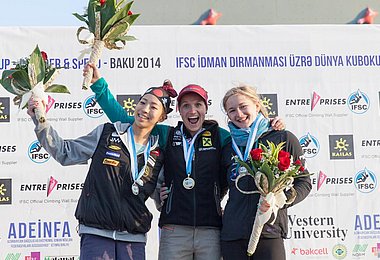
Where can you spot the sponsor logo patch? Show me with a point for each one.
(111, 162)
(114, 147)
(113, 154)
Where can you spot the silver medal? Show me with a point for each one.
(242, 170)
(135, 189)
(188, 183)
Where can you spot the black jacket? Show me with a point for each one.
(199, 206)
(240, 210)
(107, 201)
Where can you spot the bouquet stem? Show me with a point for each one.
(260, 219)
(255, 235)
(96, 52)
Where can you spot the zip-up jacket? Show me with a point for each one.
(240, 211)
(199, 206)
(107, 201)
(210, 166)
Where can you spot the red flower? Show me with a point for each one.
(298, 162)
(256, 154)
(284, 160)
(282, 153)
(283, 163)
(102, 2)
(130, 13)
(44, 55)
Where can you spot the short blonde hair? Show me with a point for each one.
(247, 91)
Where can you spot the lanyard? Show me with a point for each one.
(131, 146)
(188, 150)
(251, 139)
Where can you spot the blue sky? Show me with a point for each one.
(42, 12)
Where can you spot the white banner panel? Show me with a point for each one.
(322, 80)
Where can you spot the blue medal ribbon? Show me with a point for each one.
(256, 129)
(136, 174)
(131, 147)
(251, 139)
(188, 150)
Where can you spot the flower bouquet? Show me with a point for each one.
(273, 171)
(108, 22)
(32, 75)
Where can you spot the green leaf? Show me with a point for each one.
(20, 80)
(56, 88)
(50, 73)
(131, 18)
(91, 15)
(117, 31)
(39, 64)
(118, 16)
(268, 172)
(7, 86)
(7, 73)
(120, 4)
(106, 13)
(242, 163)
(81, 18)
(127, 38)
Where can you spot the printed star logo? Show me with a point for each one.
(267, 103)
(294, 251)
(341, 145)
(129, 104)
(2, 189)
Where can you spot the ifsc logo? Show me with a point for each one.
(91, 107)
(310, 145)
(358, 102)
(36, 153)
(365, 181)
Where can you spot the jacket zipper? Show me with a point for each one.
(194, 199)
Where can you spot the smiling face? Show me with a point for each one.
(193, 112)
(148, 112)
(241, 110)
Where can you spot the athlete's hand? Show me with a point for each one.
(32, 104)
(96, 74)
(164, 193)
(263, 206)
(277, 123)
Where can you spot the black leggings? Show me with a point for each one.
(267, 249)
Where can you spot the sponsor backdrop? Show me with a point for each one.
(322, 80)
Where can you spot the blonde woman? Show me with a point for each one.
(249, 126)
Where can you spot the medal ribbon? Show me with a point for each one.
(251, 139)
(188, 150)
(131, 146)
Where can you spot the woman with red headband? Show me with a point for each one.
(125, 162)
